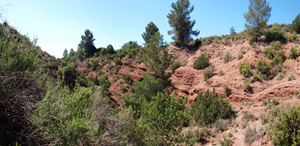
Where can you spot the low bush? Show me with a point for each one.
(227, 90)
(294, 53)
(265, 68)
(251, 135)
(174, 66)
(292, 38)
(256, 77)
(245, 70)
(208, 73)
(209, 107)
(227, 57)
(291, 77)
(283, 125)
(275, 34)
(201, 62)
(247, 86)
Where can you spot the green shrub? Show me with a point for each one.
(69, 75)
(245, 70)
(248, 117)
(201, 62)
(265, 68)
(208, 108)
(117, 61)
(226, 142)
(247, 86)
(296, 24)
(175, 65)
(292, 38)
(256, 77)
(283, 126)
(227, 57)
(294, 53)
(275, 34)
(208, 73)
(291, 77)
(127, 78)
(227, 90)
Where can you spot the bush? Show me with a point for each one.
(208, 108)
(208, 73)
(247, 86)
(227, 90)
(296, 24)
(227, 57)
(291, 77)
(226, 142)
(292, 38)
(256, 77)
(175, 65)
(294, 53)
(245, 70)
(201, 62)
(283, 126)
(275, 34)
(265, 68)
(251, 135)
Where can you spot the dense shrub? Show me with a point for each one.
(69, 75)
(201, 62)
(292, 38)
(227, 57)
(227, 90)
(296, 24)
(256, 77)
(247, 86)
(294, 53)
(208, 108)
(164, 121)
(265, 68)
(149, 86)
(208, 73)
(245, 70)
(174, 66)
(284, 123)
(275, 34)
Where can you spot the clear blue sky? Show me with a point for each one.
(59, 24)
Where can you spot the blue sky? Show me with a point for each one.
(59, 24)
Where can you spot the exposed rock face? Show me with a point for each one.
(188, 81)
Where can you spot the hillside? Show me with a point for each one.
(229, 90)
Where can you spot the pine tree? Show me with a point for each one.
(87, 43)
(157, 58)
(151, 29)
(296, 24)
(179, 20)
(256, 18)
(65, 53)
(232, 31)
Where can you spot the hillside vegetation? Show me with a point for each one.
(237, 89)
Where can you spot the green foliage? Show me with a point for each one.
(284, 123)
(257, 17)
(232, 31)
(248, 116)
(86, 46)
(226, 142)
(164, 121)
(275, 53)
(208, 73)
(149, 86)
(256, 77)
(157, 58)
(245, 70)
(227, 90)
(174, 66)
(275, 34)
(69, 75)
(65, 53)
(127, 78)
(247, 86)
(201, 62)
(151, 29)
(292, 38)
(227, 57)
(296, 24)
(291, 77)
(208, 108)
(179, 20)
(294, 53)
(110, 49)
(265, 68)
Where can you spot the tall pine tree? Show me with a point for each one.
(179, 20)
(151, 29)
(87, 44)
(257, 17)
